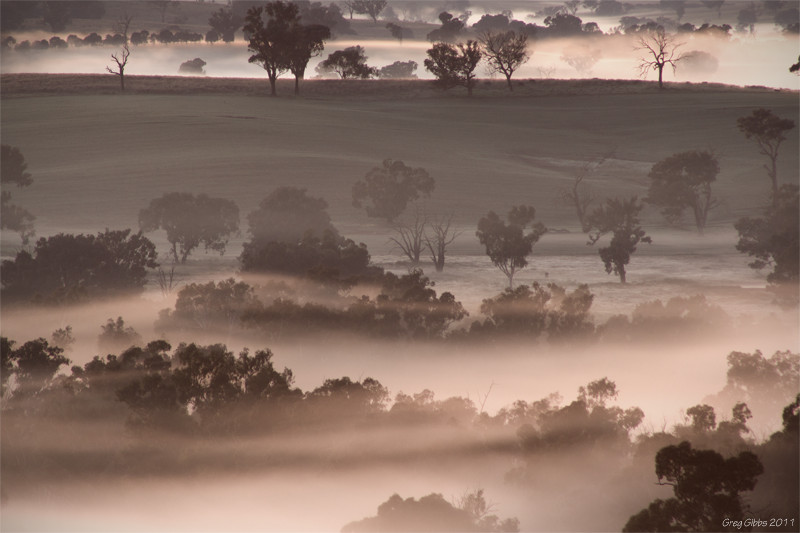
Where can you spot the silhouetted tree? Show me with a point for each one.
(398, 70)
(577, 196)
(773, 239)
(454, 65)
(288, 214)
(621, 218)
(747, 18)
(438, 237)
(13, 170)
(116, 335)
(192, 66)
(386, 190)
(121, 60)
(191, 221)
(348, 63)
(795, 66)
(271, 41)
(507, 245)
(307, 41)
(659, 49)
(397, 31)
(204, 307)
(226, 23)
(66, 267)
(706, 488)
(33, 365)
(684, 180)
(505, 52)
(769, 131)
(450, 29)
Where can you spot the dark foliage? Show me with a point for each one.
(226, 23)
(768, 131)
(620, 217)
(386, 190)
(507, 244)
(454, 65)
(398, 70)
(67, 267)
(13, 171)
(350, 63)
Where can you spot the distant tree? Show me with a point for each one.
(681, 181)
(434, 513)
(350, 6)
(122, 26)
(34, 365)
(372, 8)
(747, 18)
(507, 244)
(121, 60)
(789, 20)
(621, 218)
(192, 66)
(398, 70)
(774, 240)
(307, 41)
(713, 4)
(13, 170)
(563, 25)
(796, 66)
(271, 40)
(57, 15)
(191, 221)
(707, 490)
(397, 31)
(386, 190)
(769, 131)
(441, 234)
(349, 63)
(117, 336)
(450, 29)
(205, 306)
(66, 267)
(226, 23)
(454, 65)
(577, 196)
(140, 37)
(581, 57)
(288, 214)
(505, 52)
(659, 49)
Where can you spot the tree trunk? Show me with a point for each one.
(660, 78)
(622, 278)
(296, 85)
(272, 81)
(122, 81)
(773, 176)
(510, 86)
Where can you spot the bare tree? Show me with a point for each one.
(410, 236)
(505, 52)
(659, 50)
(442, 235)
(350, 5)
(121, 60)
(578, 196)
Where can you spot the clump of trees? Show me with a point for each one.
(225, 23)
(386, 190)
(620, 217)
(66, 268)
(454, 65)
(280, 42)
(509, 244)
(287, 214)
(13, 170)
(190, 221)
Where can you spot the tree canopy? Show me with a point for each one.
(386, 190)
(287, 214)
(505, 52)
(13, 170)
(507, 244)
(191, 221)
(348, 63)
(454, 65)
(682, 181)
(768, 131)
(620, 217)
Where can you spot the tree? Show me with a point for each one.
(577, 196)
(349, 63)
(397, 31)
(34, 365)
(122, 26)
(410, 236)
(450, 29)
(507, 245)
(66, 267)
(441, 235)
(659, 50)
(769, 132)
(370, 7)
(398, 70)
(621, 218)
(774, 240)
(288, 214)
(454, 65)
(386, 190)
(505, 52)
(191, 221)
(116, 335)
(226, 23)
(272, 41)
(681, 181)
(121, 60)
(706, 488)
(307, 41)
(13, 170)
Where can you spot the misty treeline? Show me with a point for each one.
(210, 395)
